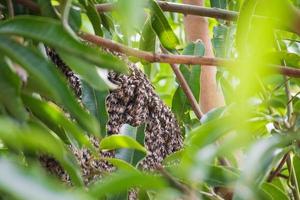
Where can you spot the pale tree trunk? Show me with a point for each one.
(196, 28)
(211, 95)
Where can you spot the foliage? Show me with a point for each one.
(39, 114)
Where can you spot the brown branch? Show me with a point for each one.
(187, 10)
(184, 9)
(177, 59)
(154, 57)
(216, 13)
(186, 88)
(277, 171)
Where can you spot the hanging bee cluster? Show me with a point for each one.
(73, 79)
(134, 102)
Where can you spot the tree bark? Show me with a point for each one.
(196, 28)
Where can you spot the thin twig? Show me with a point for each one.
(287, 90)
(283, 176)
(293, 179)
(186, 88)
(277, 171)
(177, 59)
(293, 97)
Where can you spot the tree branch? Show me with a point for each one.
(182, 8)
(186, 89)
(185, 9)
(277, 171)
(177, 59)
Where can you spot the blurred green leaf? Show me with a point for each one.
(10, 86)
(221, 176)
(209, 132)
(36, 139)
(96, 77)
(52, 33)
(162, 27)
(121, 141)
(32, 184)
(148, 37)
(125, 180)
(296, 163)
(47, 79)
(262, 152)
(275, 192)
(121, 164)
(55, 118)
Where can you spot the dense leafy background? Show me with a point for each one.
(40, 114)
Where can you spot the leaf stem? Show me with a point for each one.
(293, 178)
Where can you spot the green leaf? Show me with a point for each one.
(127, 154)
(275, 192)
(221, 176)
(140, 138)
(93, 15)
(10, 86)
(218, 4)
(46, 8)
(222, 40)
(121, 141)
(52, 33)
(94, 101)
(264, 152)
(36, 139)
(125, 180)
(93, 75)
(174, 157)
(296, 163)
(213, 114)
(121, 164)
(47, 78)
(162, 27)
(53, 116)
(180, 104)
(209, 132)
(148, 37)
(32, 184)
(147, 43)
